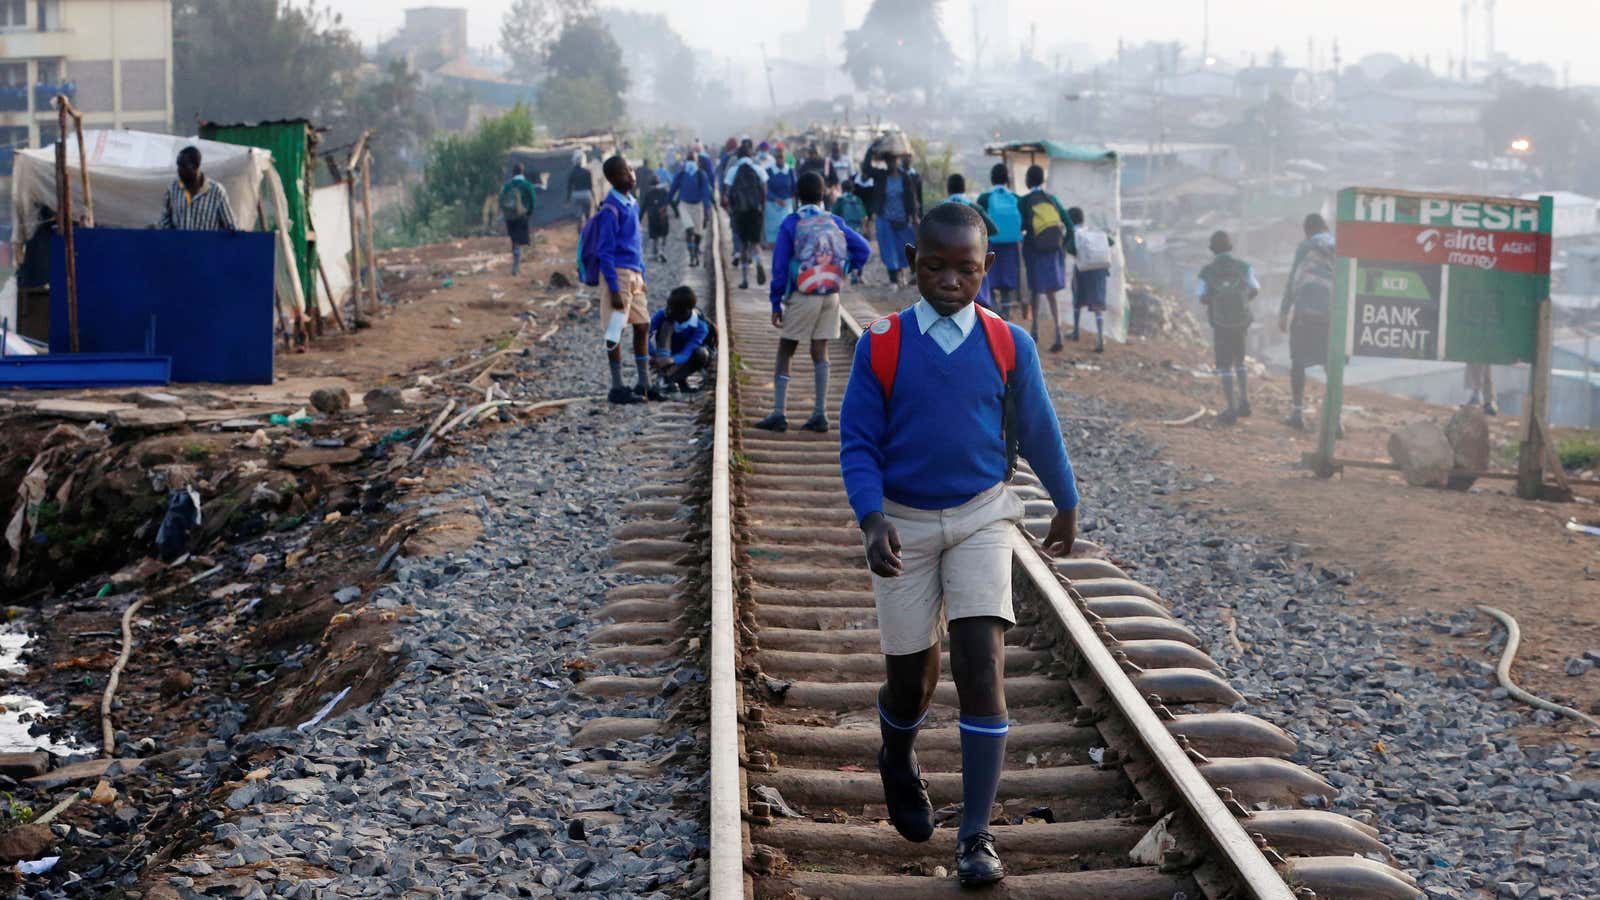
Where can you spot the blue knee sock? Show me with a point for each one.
(819, 406)
(983, 756)
(899, 738)
(780, 393)
(516, 259)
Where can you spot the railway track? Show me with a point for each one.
(1128, 771)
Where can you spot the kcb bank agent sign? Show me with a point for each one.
(1440, 276)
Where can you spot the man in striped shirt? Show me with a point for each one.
(195, 202)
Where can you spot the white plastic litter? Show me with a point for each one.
(37, 866)
(322, 713)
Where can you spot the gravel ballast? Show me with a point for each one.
(1414, 732)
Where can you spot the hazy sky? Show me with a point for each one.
(1557, 32)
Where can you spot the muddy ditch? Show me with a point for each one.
(265, 616)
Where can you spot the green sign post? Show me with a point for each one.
(1443, 277)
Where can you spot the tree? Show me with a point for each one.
(661, 62)
(899, 47)
(402, 114)
(585, 80)
(255, 60)
(526, 30)
(461, 172)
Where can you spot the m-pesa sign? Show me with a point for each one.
(1500, 236)
(1440, 276)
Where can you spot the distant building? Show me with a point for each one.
(1575, 214)
(1441, 118)
(1258, 84)
(1200, 84)
(431, 37)
(112, 58)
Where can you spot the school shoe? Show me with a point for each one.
(1490, 410)
(819, 424)
(905, 793)
(623, 396)
(1227, 416)
(774, 422)
(1100, 345)
(1057, 346)
(1244, 410)
(1295, 421)
(976, 861)
(1074, 336)
(761, 273)
(655, 394)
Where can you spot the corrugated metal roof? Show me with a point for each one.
(1055, 150)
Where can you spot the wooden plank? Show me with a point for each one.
(1530, 461)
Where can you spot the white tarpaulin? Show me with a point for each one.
(129, 173)
(1089, 178)
(330, 220)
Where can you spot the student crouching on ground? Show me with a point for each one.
(941, 397)
(813, 250)
(1227, 285)
(679, 345)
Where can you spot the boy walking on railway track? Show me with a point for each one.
(941, 399)
(812, 251)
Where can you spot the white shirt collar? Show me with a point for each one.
(927, 315)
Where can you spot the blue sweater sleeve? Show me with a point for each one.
(862, 422)
(782, 249)
(860, 250)
(1039, 432)
(691, 343)
(605, 251)
(655, 325)
(677, 188)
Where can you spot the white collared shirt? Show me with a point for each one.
(947, 331)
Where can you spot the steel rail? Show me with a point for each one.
(1238, 851)
(727, 801)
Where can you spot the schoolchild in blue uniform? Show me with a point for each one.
(813, 252)
(1003, 208)
(956, 187)
(781, 185)
(934, 395)
(679, 341)
(620, 253)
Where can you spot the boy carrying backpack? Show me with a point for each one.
(1091, 270)
(1307, 307)
(1227, 285)
(942, 399)
(854, 213)
(516, 207)
(1002, 205)
(1046, 240)
(746, 199)
(655, 208)
(809, 258)
(610, 252)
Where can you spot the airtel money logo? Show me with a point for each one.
(1428, 239)
(1463, 248)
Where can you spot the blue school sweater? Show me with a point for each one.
(686, 336)
(783, 252)
(694, 190)
(939, 442)
(617, 243)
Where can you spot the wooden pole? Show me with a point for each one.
(366, 211)
(64, 222)
(333, 302)
(1530, 461)
(83, 164)
(355, 243)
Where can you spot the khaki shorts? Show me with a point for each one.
(811, 317)
(955, 564)
(634, 298)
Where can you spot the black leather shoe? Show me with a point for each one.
(976, 862)
(819, 424)
(774, 422)
(906, 795)
(623, 396)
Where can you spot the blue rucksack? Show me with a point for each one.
(588, 256)
(1006, 214)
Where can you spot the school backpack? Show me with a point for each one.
(883, 349)
(588, 249)
(1006, 215)
(513, 205)
(1312, 287)
(1227, 295)
(747, 194)
(850, 208)
(1049, 231)
(1094, 249)
(820, 254)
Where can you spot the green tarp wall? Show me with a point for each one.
(287, 142)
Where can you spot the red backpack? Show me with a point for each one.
(883, 349)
